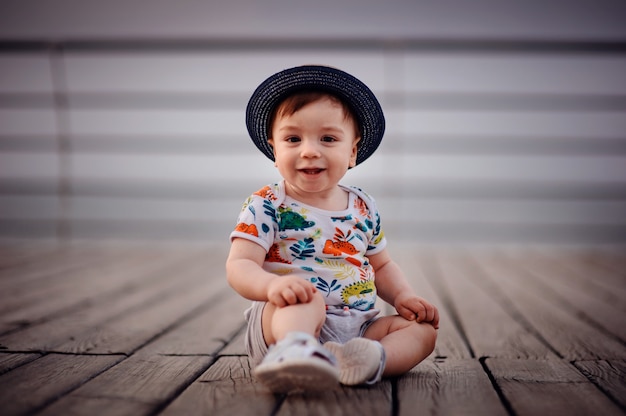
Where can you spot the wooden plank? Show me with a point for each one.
(572, 337)
(576, 264)
(181, 341)
(609, 375)
(57, 262)
(150, 380)
(237, 345)
(101, 406)
(22, 286)
(483, 316)
(612, 292)
(557, 287)
(613, 258)
(157, 373)
(374, 400)
(34, 385)
(206, 334)
(18, 255)
(226, 388)
(448, 387)
(449, 344)
(74, 328)
(126, 333)
(9, 361)
(548, 387)
(112, 273)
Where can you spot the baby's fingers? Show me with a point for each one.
(406, 313)
(412, 309)
(300, 291)
(304, 292)
(431, 315)
(435, 320)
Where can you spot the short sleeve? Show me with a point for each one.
(257, 220)
(376, 241)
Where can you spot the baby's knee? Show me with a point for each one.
(426, 335)
(430, 336)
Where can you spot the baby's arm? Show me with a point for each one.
(393, 287)
(245, 274)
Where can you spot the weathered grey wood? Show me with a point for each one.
(18, 284)
(101, 406)
(226, 388)
(207, 333)
(449, 344)
(155, 374)
(64, 259)
(367, 401)
(73, 329)
(180, 328)
(607, 292)
(613, 258)
(548, 387)
(19, 254)
(571, 336)
(448, 387)
(557, 287)
(577, 264)
(489, 325)
(609, 375)
(10, 361)
(147, 379)
(39, 382)
(40, 299)
(132, 330)
(237, 345)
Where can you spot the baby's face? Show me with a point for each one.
(315, 146)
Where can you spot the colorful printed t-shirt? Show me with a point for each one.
(328, 248)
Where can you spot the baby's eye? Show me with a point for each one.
(328, 139)
(292, 139)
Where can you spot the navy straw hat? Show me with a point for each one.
(360, 99)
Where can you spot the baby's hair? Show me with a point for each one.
(298, 100)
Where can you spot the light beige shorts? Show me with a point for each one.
(340, 326)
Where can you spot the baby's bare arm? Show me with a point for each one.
(393, 287)
(245, 274)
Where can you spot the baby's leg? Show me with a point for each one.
(301, 317)
(406, 343)
(296, 360)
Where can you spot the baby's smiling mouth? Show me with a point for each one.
(311, 171)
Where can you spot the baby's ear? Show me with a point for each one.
(355, 151)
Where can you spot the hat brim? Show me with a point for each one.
(355, 93)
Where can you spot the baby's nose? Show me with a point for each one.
(310, 149)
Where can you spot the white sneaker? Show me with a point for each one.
(361, 361)
(298, 363)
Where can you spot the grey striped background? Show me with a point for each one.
(488, 140)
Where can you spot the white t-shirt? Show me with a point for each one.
(328, 248)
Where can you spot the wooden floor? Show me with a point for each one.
(137, 330)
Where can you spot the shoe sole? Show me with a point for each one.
(359, 359)
(298, 375)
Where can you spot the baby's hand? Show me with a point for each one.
(413, 307)
(289, 290)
